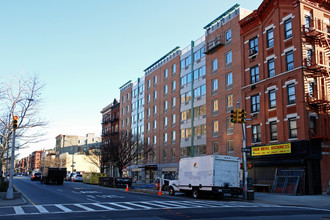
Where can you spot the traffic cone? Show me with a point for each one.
(127, 189)
(160, 191)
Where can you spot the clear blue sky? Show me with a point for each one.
(84, 50)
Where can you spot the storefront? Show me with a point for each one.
(291, 168)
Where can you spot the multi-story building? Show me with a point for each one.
(73, 143)
(272, 62)
(110, 128)
(223, 80)
(36, 160)
(286, 93)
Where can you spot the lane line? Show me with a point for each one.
(18, 190)
(19, 210)
(65, 209)
(41, 209)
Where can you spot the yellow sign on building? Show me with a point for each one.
(271, 149)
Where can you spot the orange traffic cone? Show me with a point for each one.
(127, 189)
(160, 191)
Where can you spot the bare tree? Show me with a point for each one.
(20, 96)
(124, 149)
(93, 157)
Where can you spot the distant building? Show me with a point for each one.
(36, 160)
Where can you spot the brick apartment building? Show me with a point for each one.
(274, 62)
(110, 128)
(36, 160)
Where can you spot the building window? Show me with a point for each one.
(173, 153)
(155, 94)
(291, 94)
(289, 60)
(165, 121)
(288, 28)
(254, 72)
(229, 79)
(173, 68)
(293, 128)
(273, 130)
(230, 126)
(270, 38)
(228, 35)
(173, 102)
(173, 119)
(215, 146)
(215, 105)
(173, 85)
(166, 74)
(165, 138)
(230, 146)
(215, 127)
(272, 99)
(173, 136)
(214, 84)
(271, 68)
(255, 103)
(155, 109)
(165, 89)
(165, 105)
(155, 80)
(253, 46)
(229, 58)
(148, 84)
(256, 135)
(214, 64)
(229, 101)
(155, 139)
(307, 22)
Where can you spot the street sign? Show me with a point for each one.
(246, 150)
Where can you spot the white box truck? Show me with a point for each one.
(212, 174)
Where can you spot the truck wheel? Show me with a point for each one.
(171, 191)
(195, 193)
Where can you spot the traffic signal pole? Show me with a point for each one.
(244, 161)
(10, 191)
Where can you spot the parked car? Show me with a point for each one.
(77, 178)
(35, 176)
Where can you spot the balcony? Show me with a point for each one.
(213, 44)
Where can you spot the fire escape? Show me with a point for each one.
(318, 98)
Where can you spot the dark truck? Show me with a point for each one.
(53, 175)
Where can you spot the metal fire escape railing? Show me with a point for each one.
(319, 102)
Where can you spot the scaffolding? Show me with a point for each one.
(317, 33)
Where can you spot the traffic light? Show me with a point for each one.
(241, 116)
(15, 118)
(233, 115)
(250, 165)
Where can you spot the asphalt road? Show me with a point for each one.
(82, 201)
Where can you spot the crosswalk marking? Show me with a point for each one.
(41, 209)
(65, 209)
(138, 205)
(123, 206)
(103, 206)
(84, 207)
(18, 210)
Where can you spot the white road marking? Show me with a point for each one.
(138, 205)
(65, 209)
(152, 203)
(103, 206)
(122, 206)
(19, 210)
(41, 209)
(60, 190)
(84, 207)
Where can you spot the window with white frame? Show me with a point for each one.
(229, 79)
(289, 60)
(291, 93)
(165, 90)
(254, 73)
(173, 119)
(270, 38)
(293, 128)
(165, 121)
(214, 64)
(229, 58)
(256, 134)
(166, 74)
(155, 124)
(255, 103)
(288, 28)
(271, 67)
(214, 84)
(272, 98)
(228, 35)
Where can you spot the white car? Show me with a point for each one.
(77, 178)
